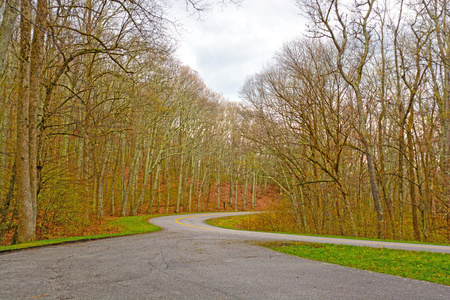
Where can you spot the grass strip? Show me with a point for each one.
(228, 222)
(433, 267)
(126, 225)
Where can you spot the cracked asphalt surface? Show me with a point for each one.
(188, 262)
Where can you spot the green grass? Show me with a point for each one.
(433, 267)
(228, 222)
(126, 225)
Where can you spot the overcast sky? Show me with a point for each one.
(231, 43)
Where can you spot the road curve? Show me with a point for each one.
(198, 222)
(187, 262)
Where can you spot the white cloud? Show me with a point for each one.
(233, 43)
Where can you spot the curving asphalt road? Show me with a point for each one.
(191, 260)
(198, 222)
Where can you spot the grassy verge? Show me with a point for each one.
(228, 222)
(126, 226)
(433, 267)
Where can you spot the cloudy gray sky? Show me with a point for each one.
(231, 43)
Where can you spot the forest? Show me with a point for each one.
(347, 129)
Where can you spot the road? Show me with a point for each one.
(188, 262)
(198, 222)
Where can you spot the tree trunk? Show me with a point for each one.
(445, 138)
(294, 201)
(101, 180)
(245, 195)
(180, 184)
(153, 191)
(400, 191)
(374, 186)
(254, 191)
(230, 196)
(200, 192)
(123, 185)
(159, 188)
(10, 14)
(218, 190)
(132, 177)
(5, 136)
(112, 204)
(191, 184)
(237, 194)
(167, 175)
(412, 186)
(184, 185)
(141, 193)
(37, 57)
(26, 228)
(302, 209)
(208, 196)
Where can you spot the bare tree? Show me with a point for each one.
(350, 31)
(10, 12)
